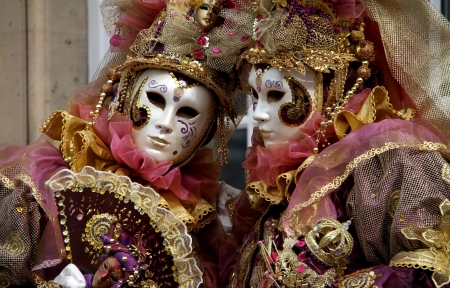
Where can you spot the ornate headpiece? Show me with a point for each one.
(296, 34)
(175, 41)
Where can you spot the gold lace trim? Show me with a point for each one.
(145, 199)
(291, 219)
(435, 258)
(275, 195)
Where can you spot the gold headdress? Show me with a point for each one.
(296, 34)
(178, 42)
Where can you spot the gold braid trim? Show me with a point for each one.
(145, 199)
(7, 182)
(291, 216)
(41, 283)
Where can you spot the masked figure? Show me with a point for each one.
(347, 185)
(137, 135)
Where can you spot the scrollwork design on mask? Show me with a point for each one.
(154, 84)
(189, 131)
(140, 113)
(274, 83)
(296, 112)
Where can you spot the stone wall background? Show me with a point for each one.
(43, 61)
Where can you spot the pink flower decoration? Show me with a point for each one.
(302, 256)
(244, 38)
(231, 33)
(202, 41)
(216, 50)
(301, 269)
(198, 53)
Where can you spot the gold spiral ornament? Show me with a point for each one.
(98, 225)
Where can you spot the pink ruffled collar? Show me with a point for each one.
(266, 164)
(189, 183)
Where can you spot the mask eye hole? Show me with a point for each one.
(156, 100)
(274, 96)
(204, 7)
(187, 112)
(255, 94)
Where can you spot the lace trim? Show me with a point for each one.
(47, 264)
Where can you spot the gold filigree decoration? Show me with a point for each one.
(288, 271)
(392, 202)
(96, 226)
(4, 281)
(14, 244)
(437, 256)
(145, 199)
(359, 279)
(446, 172)
(291, 216)
(41, 283)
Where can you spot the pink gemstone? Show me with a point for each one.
(216, 50)
(115, 40)
(231, 33)
(301, 256)
(300, 243)
(301, 269)
(275, 256)
(80, 217)
(244, 38)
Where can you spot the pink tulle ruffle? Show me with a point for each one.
(187, 183)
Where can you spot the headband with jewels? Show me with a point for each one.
(102, 214)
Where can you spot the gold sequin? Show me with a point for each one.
(19, 209)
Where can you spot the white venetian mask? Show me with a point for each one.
(278, 113)
(180, 115)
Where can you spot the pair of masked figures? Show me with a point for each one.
(347, 179)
